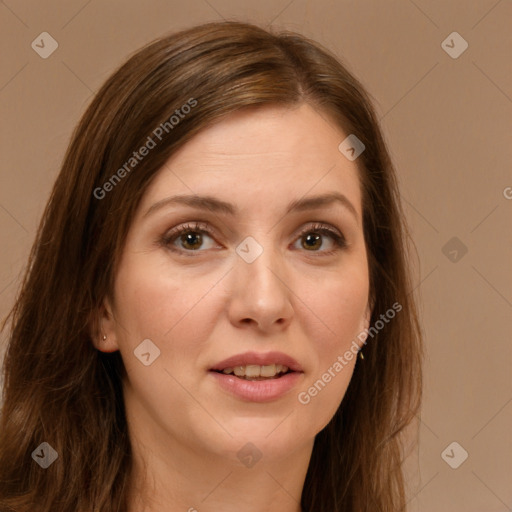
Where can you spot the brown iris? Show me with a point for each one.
(191, 240)
(312, 238)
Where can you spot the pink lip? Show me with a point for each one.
(258, 390)
(260, 359)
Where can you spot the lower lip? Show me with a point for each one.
(257, 390)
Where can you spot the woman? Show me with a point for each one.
(225, 236)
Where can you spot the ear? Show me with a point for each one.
(103, 331)
(365, 325)
(368, 315)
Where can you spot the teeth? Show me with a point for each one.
(268, 371)
(239, 371)
(252, 371)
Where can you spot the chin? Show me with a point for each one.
(273, 437)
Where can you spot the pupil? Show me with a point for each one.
(188, 239)
(312, 238)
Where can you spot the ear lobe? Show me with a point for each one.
(103, 332)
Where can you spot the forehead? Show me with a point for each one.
(262, 158)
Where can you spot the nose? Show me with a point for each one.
(261, 294)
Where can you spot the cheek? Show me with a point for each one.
(337, 309)
(173, 309)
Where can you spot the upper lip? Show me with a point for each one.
(258, 358)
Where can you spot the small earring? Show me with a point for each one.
(104, 337)
(361, 354)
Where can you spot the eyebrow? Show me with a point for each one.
(218, 206)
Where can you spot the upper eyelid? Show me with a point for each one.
(202, 225)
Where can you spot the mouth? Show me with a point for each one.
(258, 377)
(256, 372)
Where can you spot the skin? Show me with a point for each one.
(185, 430)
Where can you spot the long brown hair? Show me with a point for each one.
(59, 389)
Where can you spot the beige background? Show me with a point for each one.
(447, 122)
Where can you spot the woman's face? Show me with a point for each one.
(255, 279)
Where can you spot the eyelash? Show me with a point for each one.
(197, 227)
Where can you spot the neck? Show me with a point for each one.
(208, 483)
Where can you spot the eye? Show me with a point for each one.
(311, 239)
(187, 238)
